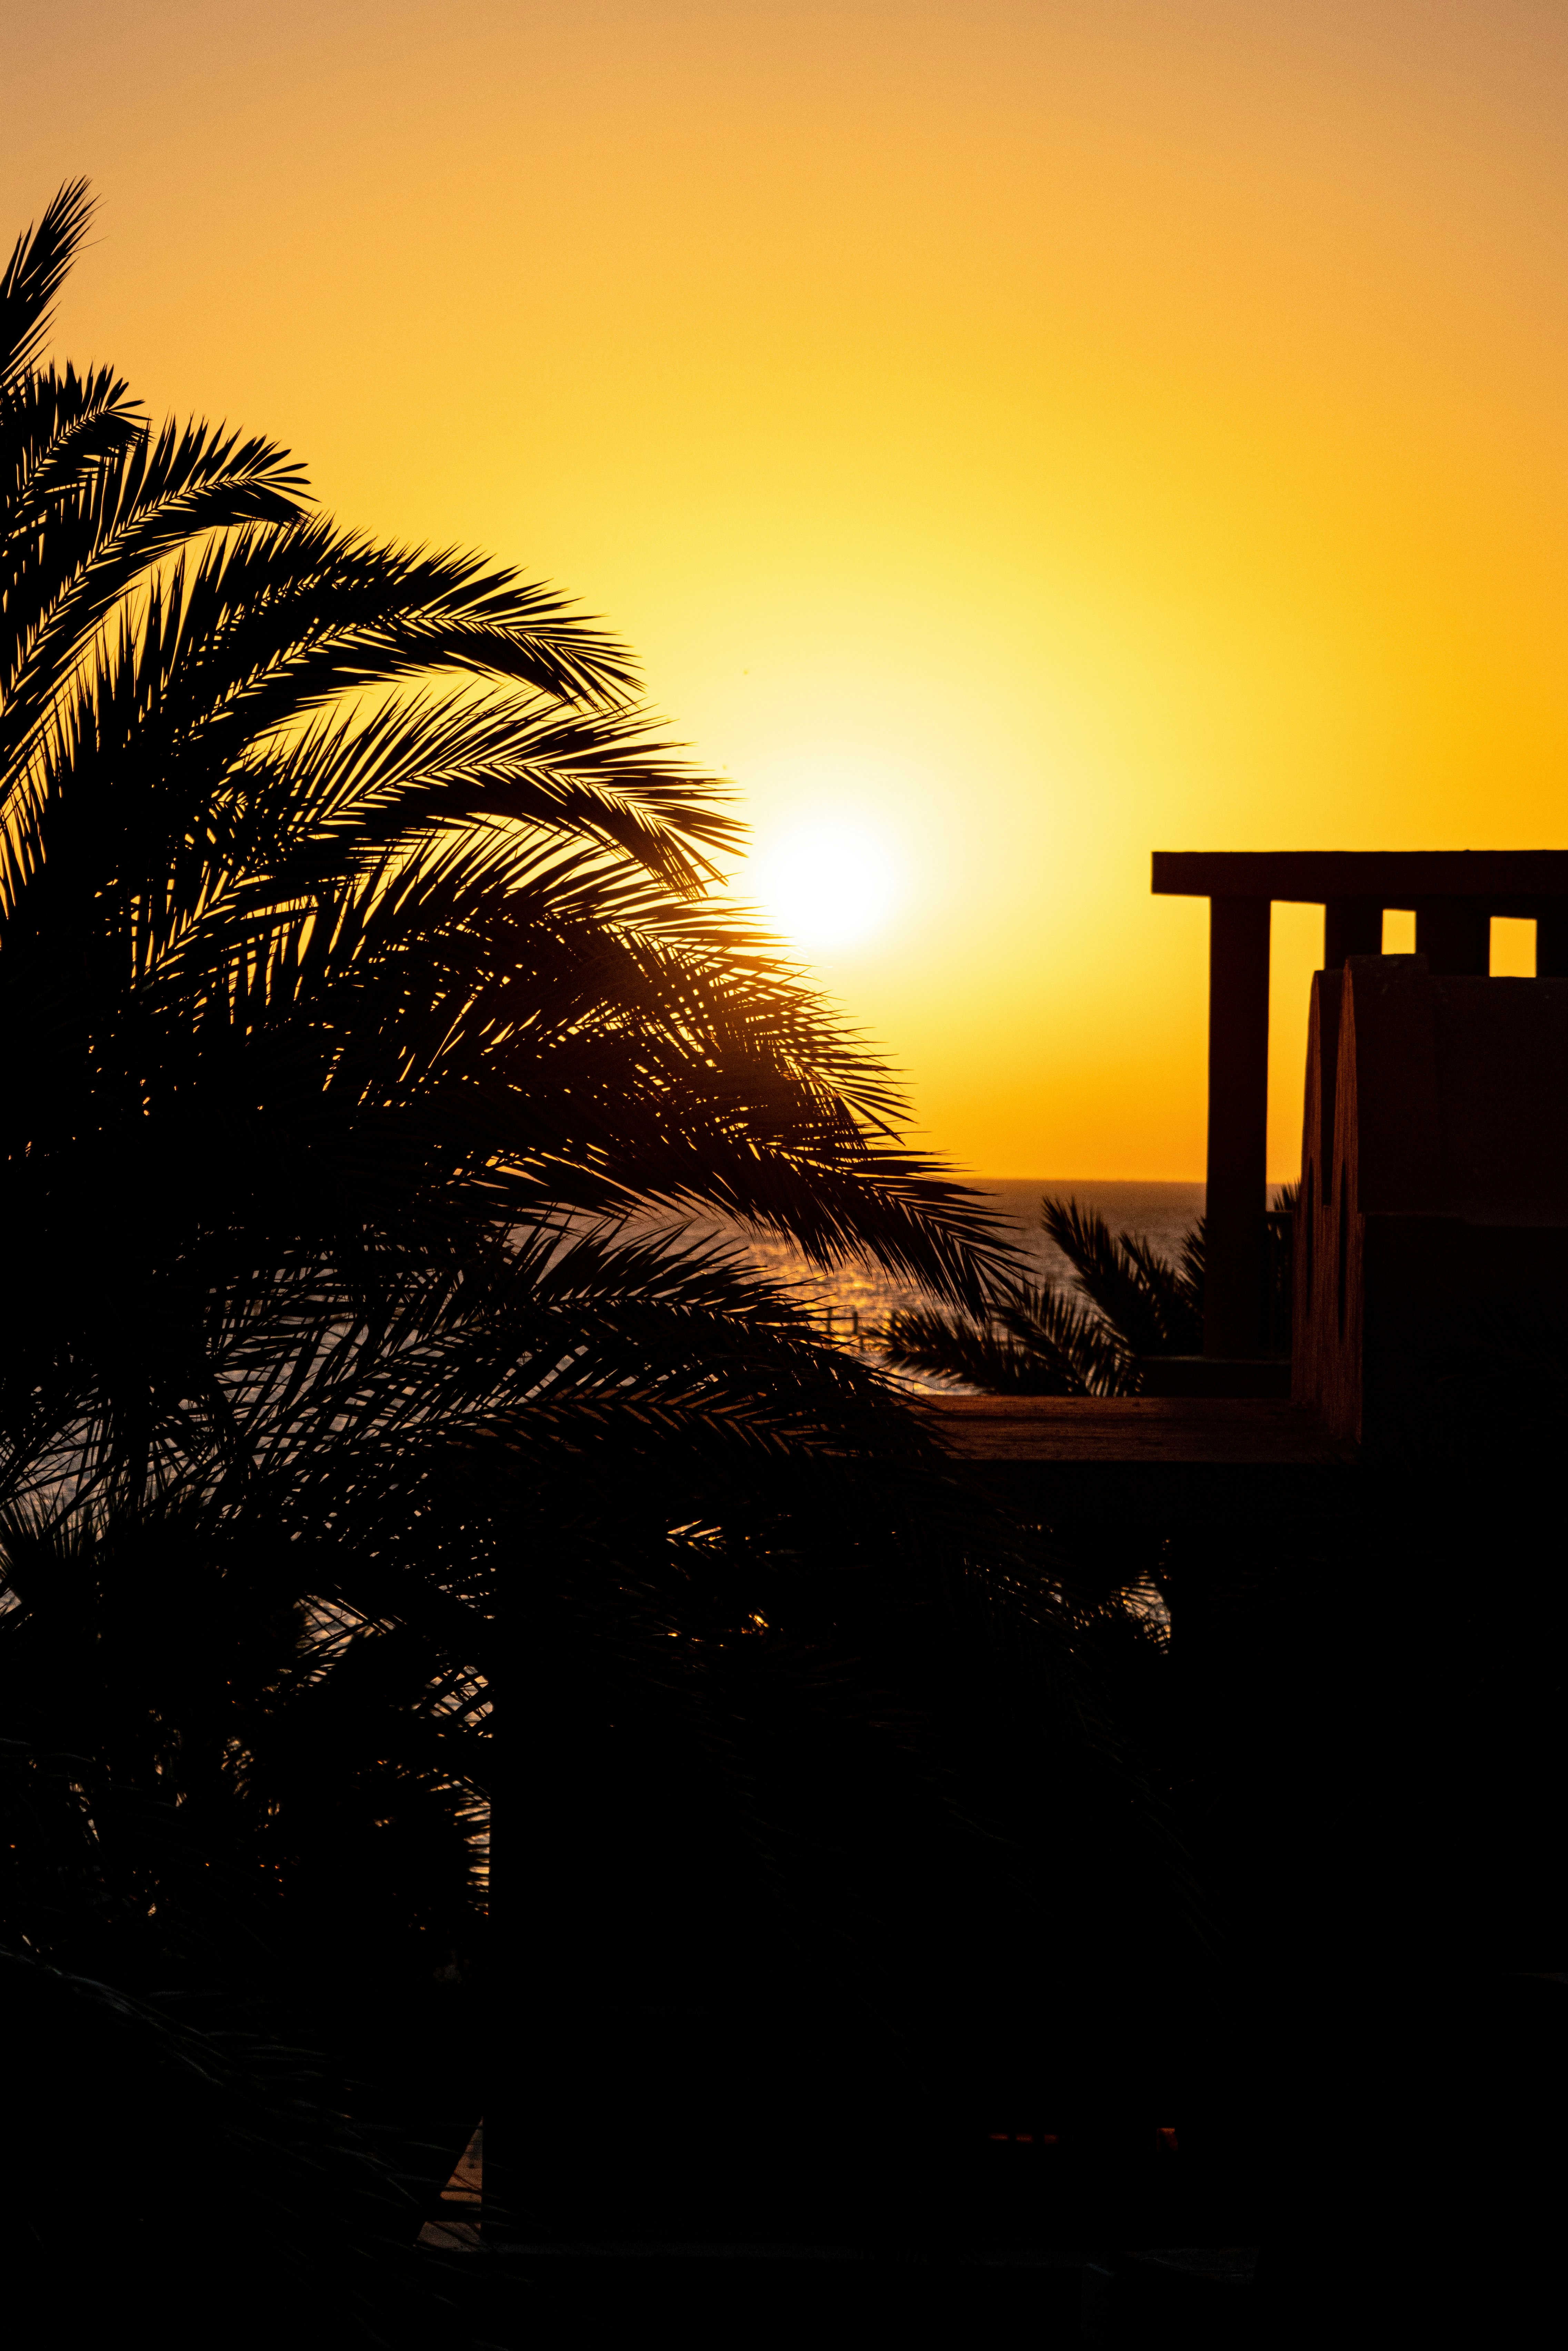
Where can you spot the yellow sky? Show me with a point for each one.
(1031, 435)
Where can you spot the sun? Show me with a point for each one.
(827, 885)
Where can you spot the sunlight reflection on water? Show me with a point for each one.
(857, 1300)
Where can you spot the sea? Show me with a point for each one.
(855, 1300)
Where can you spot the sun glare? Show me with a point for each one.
(830, 885)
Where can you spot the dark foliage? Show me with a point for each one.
(1032, 1340)
(1134, 1302)
(364, 1394)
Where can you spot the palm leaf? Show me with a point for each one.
(36, 270)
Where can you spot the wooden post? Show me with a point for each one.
(1455, 936)
(1237, 1124)
(1351, 926)
(1552, 941)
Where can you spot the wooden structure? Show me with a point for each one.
(1435, 1185)
(1432, 1233)
(1454, 893)
(1164, 1462)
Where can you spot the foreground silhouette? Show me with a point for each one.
(363, 1397)
(1032, 1338)
(1135, 1305)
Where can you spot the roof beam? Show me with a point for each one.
(1507, 880)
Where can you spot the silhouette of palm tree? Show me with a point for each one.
(350, 921)
(376, 1042)
(1033, 1339)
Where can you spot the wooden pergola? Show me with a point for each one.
(1454, 893)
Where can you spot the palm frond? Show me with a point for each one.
(364, 998)
(1033, 1341)
(36, 270)
(1139, 1296)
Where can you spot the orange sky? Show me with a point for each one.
(1038, 433)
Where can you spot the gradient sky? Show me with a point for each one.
(1034, 433)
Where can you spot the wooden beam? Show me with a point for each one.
(1168, 1463)
(1108, 1429)
(1507, 880)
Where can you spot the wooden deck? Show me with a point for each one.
(1154, 1460)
